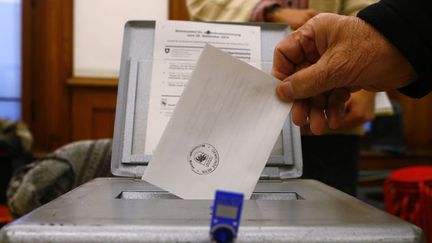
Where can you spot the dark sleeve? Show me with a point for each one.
(408, 25)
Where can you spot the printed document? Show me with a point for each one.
(177, 46)
(222, 131)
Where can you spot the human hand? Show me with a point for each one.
(360, 108)
(329, 57)
(290, 16)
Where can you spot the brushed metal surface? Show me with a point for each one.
(93, 213)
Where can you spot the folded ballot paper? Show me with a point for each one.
(222, 130)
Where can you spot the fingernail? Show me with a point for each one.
(285, 90)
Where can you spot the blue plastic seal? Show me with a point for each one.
(226, 212)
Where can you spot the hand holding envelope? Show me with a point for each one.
(222, 131)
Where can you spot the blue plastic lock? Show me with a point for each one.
(226, 212)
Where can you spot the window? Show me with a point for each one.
(10, 59)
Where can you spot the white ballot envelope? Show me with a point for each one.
(222, 130)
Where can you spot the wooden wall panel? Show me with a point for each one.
(103, 122)
(27, 36)
(47, 64)
(417, 114)
(178, 10)
(93, 107)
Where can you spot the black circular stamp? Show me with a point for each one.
(203, 159)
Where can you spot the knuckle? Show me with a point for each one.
(338, 66)
(279, 45)
(322, 77)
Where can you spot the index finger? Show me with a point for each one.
(287, 54)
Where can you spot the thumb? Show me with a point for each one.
(307, 82)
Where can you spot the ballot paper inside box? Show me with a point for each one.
(126, 209)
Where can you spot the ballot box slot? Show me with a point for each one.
(148, 195)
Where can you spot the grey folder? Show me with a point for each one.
(127, 209)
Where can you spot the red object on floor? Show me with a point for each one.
(408, 195)
(5, 216)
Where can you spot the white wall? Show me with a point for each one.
(98, 32)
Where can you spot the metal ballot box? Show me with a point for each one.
(127, 209)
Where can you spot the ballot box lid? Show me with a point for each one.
(129, 158)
